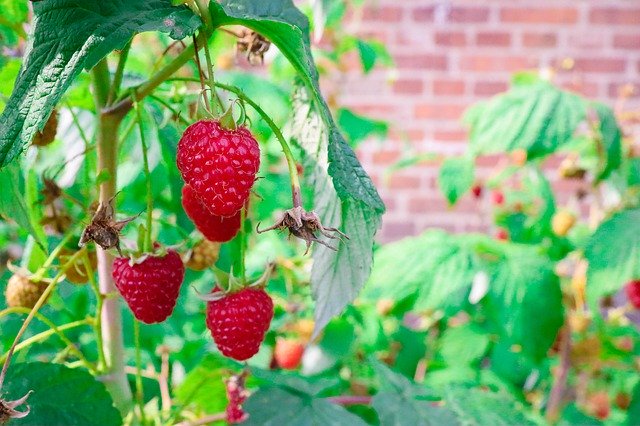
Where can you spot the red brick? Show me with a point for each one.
(600, 65)
(386, 157)
(403, 181)
(632, 90)
(382, 14)
(424, 204)
(496, 63)
(450, 136)
(413, 135)
(423, 14)
(439, 112)
(454, 14)
(539, 40)
(408, 86)
(588, 89)
(611, 15)
(547, 15)
(450, 38)
(625, 41)
(489, 88)
(422, 62)
(394, 230)
(493, 38)
(448, 87)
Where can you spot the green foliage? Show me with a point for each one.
(67, 37)
(456, 177)
(61, 396)
(357, 127)
(475, 407)
(609, 268)
(537, 117)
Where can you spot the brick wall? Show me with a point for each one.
(449, 54)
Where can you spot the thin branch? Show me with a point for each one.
(560, 384)
(117, 77)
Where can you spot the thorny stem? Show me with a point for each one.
(117, 77)
(32, 313)
(97, 324)
(558, 389)
(54, 329)
(147, 241)
(291, 162)
(139, 389)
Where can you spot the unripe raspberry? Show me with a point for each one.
(203, 255)
(288, 353)
(22, 292)
(77, 273)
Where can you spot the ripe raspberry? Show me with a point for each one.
(150, 287)
(203, 255)
(215, 228)
(219, 164)
(239, 321)
(22, 292)
(77, 273)
(633, 293)
(476, 190)
(498, 198)
(288, 353)
(502, 234)
(48, 133)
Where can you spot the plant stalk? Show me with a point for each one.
(559, 386)
(115, 378)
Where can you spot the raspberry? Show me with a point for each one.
(236, 395)
(633, 293)
(77, 273)
(288, 353)
(562, 222)
(203, 255)
(476, 190)
(219, 164)
(215, 228)
(239, 321)
(150, 287)
(48, 133)
(22, 292)
(498, 198)
(502, 234)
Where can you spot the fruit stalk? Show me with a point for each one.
(115, 377)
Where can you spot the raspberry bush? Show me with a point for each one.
(146, 148)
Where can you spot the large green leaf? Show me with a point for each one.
(524, 298)
(475, 407)
(69, 35)
(456, 177)
(401, 402)
(538, 118)
(610, 148)
(613, 253)
(279, 407)
(349, 200)
(61, 396)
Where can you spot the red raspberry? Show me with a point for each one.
(288, 353)
(502, 234)
(633, 293)
(215, 228)
(476, 190)
(498, 198)
(239, 321)
(219, 164)
(151, 287)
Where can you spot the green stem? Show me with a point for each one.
(76, 122)
(139, 389)
(117, 77)
(39, 274)
(148, 240)
(243, 248)
(53, 329)
(43, 297)
(115, 378)
(123, 106)
(101, 83)
(97, 324)
(170, 108)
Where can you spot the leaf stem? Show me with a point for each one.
(117, 77)
(145, 159)
(139, 389)
(170, 108)
(39, 274)
(32, 313)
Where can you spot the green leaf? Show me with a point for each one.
(311, 386)
(61, 396)
(463, 345)
(634, 408)
(524, 298)
(276, 406)
(357, 128)
(613, 253)
(8, 74)
(538, 118)
(456, 177)
(401, 402)
(368, 55)
(478, 407)
(13, 204)
(572, 416)
(610, 150)
(69, 35)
